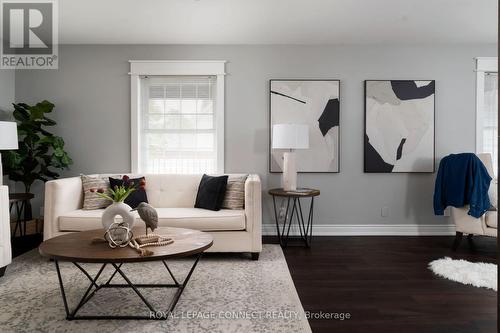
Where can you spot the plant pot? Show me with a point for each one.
(117, 209)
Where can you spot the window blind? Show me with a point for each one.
(178, 130)
(490, 117)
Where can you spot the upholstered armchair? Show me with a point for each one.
(5, 249)
(486, 225)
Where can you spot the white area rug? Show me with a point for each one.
(30, 298)
(477, 274)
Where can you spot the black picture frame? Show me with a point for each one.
(433, 134)
(270, 127)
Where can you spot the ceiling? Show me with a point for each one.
(277, 21)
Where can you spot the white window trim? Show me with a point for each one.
(483, 65)
(174, 67)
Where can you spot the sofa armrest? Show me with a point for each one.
(466, 223)
(61, 196)
(253, 210)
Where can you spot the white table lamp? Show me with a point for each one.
(290, 136)
(8, 140)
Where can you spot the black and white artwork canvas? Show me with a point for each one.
(399, 126)
(317, 104)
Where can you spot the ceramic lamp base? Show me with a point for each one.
(289, 181)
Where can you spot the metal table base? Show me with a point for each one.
(296, 211)
(93, 288)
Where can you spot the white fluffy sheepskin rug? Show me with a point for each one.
(478, 274)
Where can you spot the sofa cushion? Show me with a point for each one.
(491, 219)
(92, 200)
(137, 196)
(211, 192)
(176, 191)
(192, 218)
(235, 192)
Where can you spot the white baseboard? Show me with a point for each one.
(370, 230)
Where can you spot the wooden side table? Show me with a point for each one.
(294, 197)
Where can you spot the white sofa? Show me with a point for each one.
(5, 249)
(173, 196)
(486, 225)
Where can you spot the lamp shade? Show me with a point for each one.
(8, 135)
(290, 136)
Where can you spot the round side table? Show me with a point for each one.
(21, 201)
(294, 209)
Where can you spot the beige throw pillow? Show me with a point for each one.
(92, 200)
(235, 193)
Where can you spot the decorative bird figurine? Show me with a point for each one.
(148, 214)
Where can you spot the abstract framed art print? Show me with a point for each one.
(399, 126)
(315, 103)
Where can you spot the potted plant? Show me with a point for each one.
(41, 153)
(117, 195)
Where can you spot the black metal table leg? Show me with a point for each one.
(85, 299)
(23, 209)
(170, 272)
(134, 288)
(283, 226)
(86, 274)
(276, 219)
(284, 222)
(112, 275)
(294, 208)
(15, 228)
(61, 285)
(310, 220)
(89, 293)
(181, 288)
(302, 226)
(18, 220)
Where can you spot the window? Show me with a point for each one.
(487, 108)
(178, 120)
(178, 129)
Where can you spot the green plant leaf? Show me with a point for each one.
(49, 139)
(48, 122)
(40, 153)
(58, 142)
(46, 106)
(20, 112)
(59, 152)
(66, 160)
(36, 112)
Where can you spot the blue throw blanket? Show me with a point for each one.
(462, 179)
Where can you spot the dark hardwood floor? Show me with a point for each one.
(385, 285)
(24, 244)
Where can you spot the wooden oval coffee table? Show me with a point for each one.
(78, 248)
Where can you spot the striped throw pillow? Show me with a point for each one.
(235, 193)
(92, 200)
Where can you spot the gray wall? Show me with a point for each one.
(7, 97)
(91, 91)
(7, 88)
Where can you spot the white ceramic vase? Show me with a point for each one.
(117, 209)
